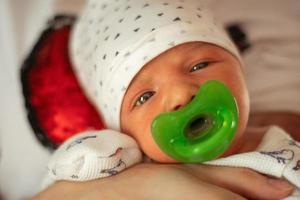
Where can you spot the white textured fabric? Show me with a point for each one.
(113, 40)
(91, 155)
(100, 154)
(278, 155)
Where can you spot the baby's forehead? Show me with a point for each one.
(183, 52)
(178, 55)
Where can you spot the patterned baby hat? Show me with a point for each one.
(114, 39)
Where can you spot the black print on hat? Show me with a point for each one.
(103, 6)
(118, 34)
(121, 20)
(138, 17)
(136, 30)
(176, 19)
(152, 40)
(160, 14)
(100, 20)
(146, 5)
(105, 28)
(127, 54)
(127, 8)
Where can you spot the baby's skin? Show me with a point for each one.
(169, 82)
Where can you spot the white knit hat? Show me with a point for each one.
(114, 39)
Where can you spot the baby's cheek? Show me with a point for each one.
(152, 150)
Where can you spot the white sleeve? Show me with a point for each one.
(91, 155)
(278, 155)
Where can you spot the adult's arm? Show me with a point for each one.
(289, 121)
(155, 181)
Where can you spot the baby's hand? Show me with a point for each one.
(92, 155)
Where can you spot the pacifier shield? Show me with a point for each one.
(203, 129)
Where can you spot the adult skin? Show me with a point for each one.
(176, 182)
(289, 121)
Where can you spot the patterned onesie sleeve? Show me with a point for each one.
(91, 155)
(278, 155)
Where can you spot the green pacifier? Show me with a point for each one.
(203, 129)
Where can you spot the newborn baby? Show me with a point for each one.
(137, 59)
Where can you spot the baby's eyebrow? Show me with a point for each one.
(195, 46)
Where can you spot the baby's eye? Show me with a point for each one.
(199, 66)
(143, 98)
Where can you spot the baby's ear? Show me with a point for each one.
(238, 36)
(56, 106)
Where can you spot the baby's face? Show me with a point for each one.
(169, 81)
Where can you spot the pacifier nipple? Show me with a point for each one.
(198, 127)
(203, 129)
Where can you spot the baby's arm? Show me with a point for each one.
(91, 155)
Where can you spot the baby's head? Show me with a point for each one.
(137, 59)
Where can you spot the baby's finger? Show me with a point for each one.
(245, 182)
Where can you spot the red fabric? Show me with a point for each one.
(60, 106)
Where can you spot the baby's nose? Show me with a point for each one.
(182, 103)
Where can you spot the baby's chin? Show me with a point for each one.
(158, 156)
(163, 159)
